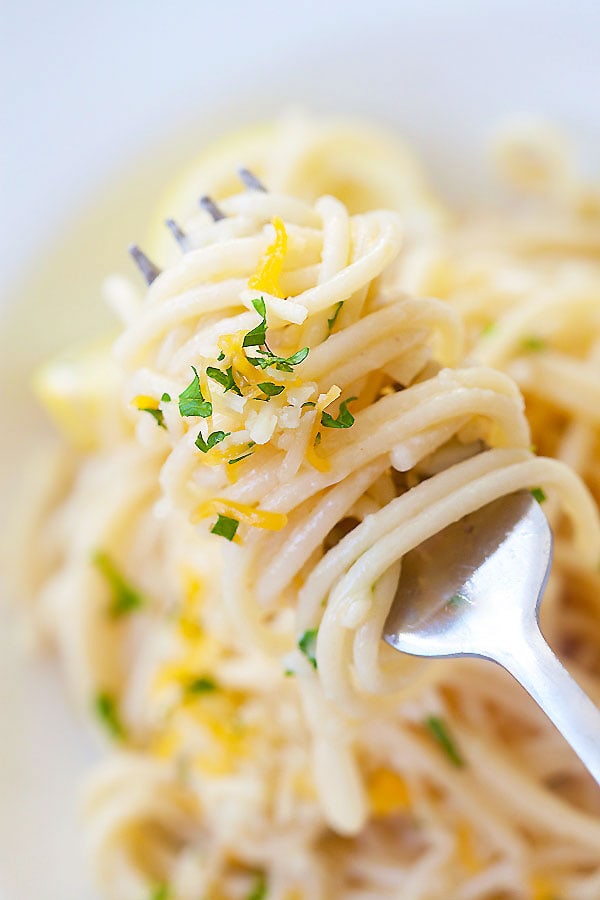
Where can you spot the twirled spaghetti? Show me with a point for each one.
(306, 393)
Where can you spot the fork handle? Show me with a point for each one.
(530, 660)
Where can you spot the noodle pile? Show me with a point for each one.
(307, 393)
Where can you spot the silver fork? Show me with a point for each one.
(474, 589)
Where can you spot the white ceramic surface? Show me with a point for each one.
(100, 102)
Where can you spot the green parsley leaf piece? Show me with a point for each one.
(538, 494)
(221, 357)
(288, 673)
(215, 438)
(166, 398)
(533, 343)
(225, 527)
(310, 404)
(156, 414)
(331, 321)
(201, 685)
(259, 890)
(192, 402)
(225, 379)
(317, 439)
(308, 645)
(345, 418)
(160, 892)
(125, 598)
(232, 462)
(439, 731)
(271, 390)
(456, 601)
(258, 335)
(283, 364)
(107, 711)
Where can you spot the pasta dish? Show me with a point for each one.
(328, 366)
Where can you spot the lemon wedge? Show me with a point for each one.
(77, 389)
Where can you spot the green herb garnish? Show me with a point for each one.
(125, 598)
(271, 390)
(156, 414)
(283, 363)
(201, 685)
(215, 438)
(533, 343)
(192, 402)
(225, 379)
(221, 357)
(331, 321)
(308, 645)
(258, 335)
(160, 892)
(166, 398)
(538, 494)
(310, 404)
(107, 711)
(345, 418)
(439, 731)
(225, 527)
(259, 890)
(232, 462)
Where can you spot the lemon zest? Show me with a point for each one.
(270, 267)
(388, 793)
(317, 461)
(541, 888)
(143, 401)
(249, 515)
(464, 848)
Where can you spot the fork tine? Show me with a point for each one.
(250, 180)
(145, 265)
(179, 235)
(211, 208)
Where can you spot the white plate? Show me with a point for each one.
(102, 85)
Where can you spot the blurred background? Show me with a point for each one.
(101, 104)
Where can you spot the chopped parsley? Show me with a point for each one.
(166, 398)
(225, 379)
(225, 527)
(160, 892)
(317, 439)
(283, 363)
(238, 459)
(456, 601)
(156, 414)
(192, 402)
(259, 890)
(331, 321)
(345, 418)
(215, 438)
(538, 494)
(258, 336)
(310, 404)
(271, 390)
(107, 711)
(439, 731)
(308, 645)
(201, 685)
(221, 357)
(533, 343)
(125, 598)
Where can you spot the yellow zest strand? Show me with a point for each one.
(249, 515)
(142, 401)
(268, 273)
(388, 793)
(464, 849)
(189, 620)
(231, 346)
(320, 463)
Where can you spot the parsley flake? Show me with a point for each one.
(225, 379)
(221, 356)
(271, 390)
(107, 711)
(308, 645)
(215, 438)
(533, 343)
(538, 494)
(331, 321)
(439, 731)
(156, 414)
(345, 418)
(201, 685)
(160, 892)
(225, 527)
(284, 364)
(259, 890)
(191, 400)
(125, 598)
(166, 398)
(258, 335)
